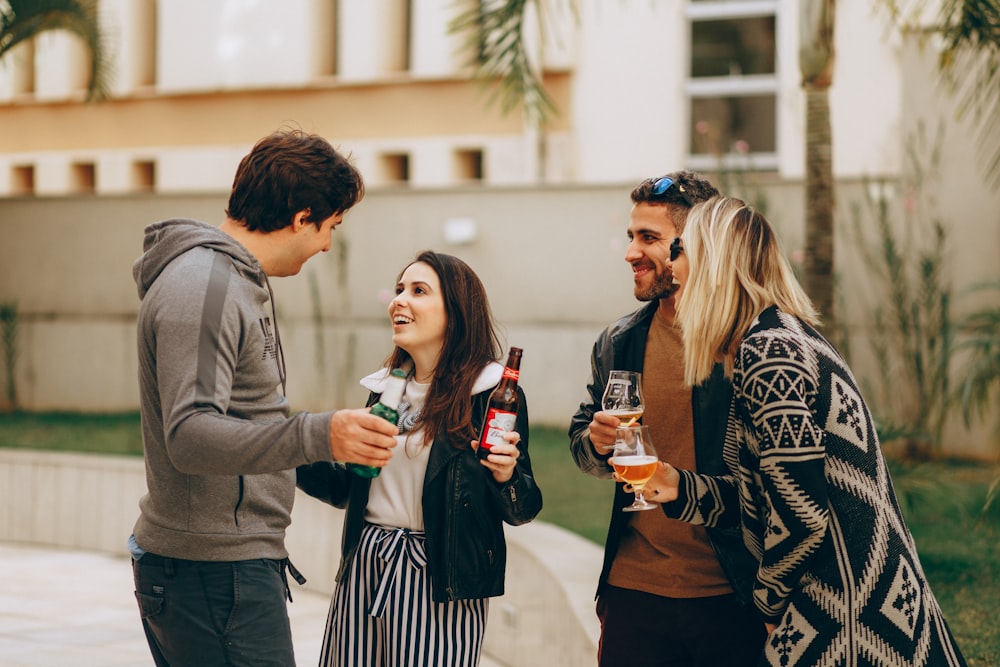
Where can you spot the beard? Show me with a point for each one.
(663, 286)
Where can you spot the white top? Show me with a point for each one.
(395, 500)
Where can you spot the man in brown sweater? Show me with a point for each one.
(670, 593)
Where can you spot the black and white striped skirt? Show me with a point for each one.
(382, 614)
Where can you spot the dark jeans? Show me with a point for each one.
(645, 630)
(202, 614)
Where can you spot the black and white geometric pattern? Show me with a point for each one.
(838, 572)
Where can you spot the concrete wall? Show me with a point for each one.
(546, 617)
(551, 259)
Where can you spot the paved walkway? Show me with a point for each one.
(64, 607)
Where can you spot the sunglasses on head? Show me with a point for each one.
(661, 185)
(676, 249)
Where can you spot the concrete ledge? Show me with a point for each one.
(90, 501)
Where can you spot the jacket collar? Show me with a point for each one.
(488, 378)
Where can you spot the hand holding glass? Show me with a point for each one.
(635, 461)
(623, 396)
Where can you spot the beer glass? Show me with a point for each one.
(635, 461)
(623, 396)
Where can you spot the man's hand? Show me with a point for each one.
(357, 436)
(602, 432)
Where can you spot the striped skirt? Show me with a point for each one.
(382, 614)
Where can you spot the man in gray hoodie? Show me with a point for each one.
(220, 446)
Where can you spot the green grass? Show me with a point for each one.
(571, 499)
(959, 544)
(71, 432)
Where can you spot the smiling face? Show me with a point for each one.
(650, 232)
(418, 315)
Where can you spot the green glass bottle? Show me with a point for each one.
(388, 409)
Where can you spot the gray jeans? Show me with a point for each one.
(203, 614)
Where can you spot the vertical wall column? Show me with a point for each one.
(372, 39)
(61, 65)
(435, 51)
(132, 24)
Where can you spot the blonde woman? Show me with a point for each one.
(839, 580)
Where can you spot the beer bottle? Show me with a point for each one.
(388, 409)
(501, 410)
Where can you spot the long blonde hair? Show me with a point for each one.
(736, 270)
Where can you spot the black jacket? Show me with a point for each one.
(622, 346)
(464, 510)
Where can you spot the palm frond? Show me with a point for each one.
(497, 52)
(23, 20)
(970, 63)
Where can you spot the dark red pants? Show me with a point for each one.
(645, 630)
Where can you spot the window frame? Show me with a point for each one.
(734, 86)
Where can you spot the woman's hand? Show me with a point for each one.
(502, 458)
(661, 487)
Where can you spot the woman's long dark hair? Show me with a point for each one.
(470, 343)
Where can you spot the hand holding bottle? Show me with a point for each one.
(501, 409)
(502, 458)
(360, 437)
(387, 409)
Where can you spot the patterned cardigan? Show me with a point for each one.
(839, 572)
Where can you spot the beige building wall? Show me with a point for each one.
(547, 205)
(551, 260)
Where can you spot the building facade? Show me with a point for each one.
(637, 85)
(538, 208)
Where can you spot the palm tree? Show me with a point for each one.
(22, 20)
(968, 60)
(971, 32)
(501, 62)
(816, 58)
(499, 58)
(499, 55)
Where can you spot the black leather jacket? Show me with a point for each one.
(622, 346)
(464, 510)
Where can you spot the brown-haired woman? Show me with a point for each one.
(423, 546)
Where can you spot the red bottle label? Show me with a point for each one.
(511, 373)
(498, 422)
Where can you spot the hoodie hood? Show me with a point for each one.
(166, 240)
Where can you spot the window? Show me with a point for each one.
(81, 177)
(733, 84)
(22, 179)
(468, 165)
(143, 175)
(394, 168)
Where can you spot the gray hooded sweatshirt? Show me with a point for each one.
(220, 447)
